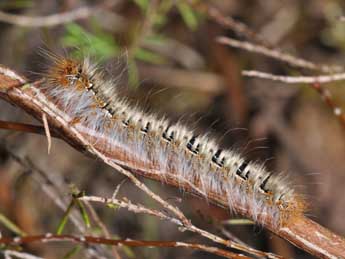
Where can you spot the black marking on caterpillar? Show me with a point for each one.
(241, 170)
(168, 136)
(146, 128)
(215, 158)
(263, 184)
(190, 146)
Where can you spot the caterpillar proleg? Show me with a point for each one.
(92, 106)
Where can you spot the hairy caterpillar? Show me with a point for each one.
(77, 92)
(93, 107)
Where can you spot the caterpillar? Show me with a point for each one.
(153, 146)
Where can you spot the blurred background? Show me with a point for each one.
(165, 57)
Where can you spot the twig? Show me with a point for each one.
(47, 132)
(277, 54)
(105, 241)
(47, 21)
(237, 26)
(328, 99)
(295, 79)
(46, 184)
(9, 253)
(102, 226)
(23, 127)
(52, 191)
(55, 19)
(136, 208)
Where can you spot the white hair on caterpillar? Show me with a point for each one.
(92, 104)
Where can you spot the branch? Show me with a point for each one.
(295, 79)
(136, 208)
(54, 19)
(277, 54)
(47, 21)
(23, 127)
(327, 97)
(102, 226)
(131, 207)
(8, 254)
(313, 82)
(50, 187)
(112, 242)
(237, 26)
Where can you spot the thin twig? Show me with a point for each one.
(55, 19)
(327, 97)
(102, 226)
(277, 54)
(23, 127)
(295, 79)
(47, 132)
(105, 241)
(137, 208)
(237, 26)
(52, 190)
(47, 21)
(9, 254)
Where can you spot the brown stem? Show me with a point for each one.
(23, 127)
(313, 238)
(105, 241)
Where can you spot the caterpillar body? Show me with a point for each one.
(154, 146)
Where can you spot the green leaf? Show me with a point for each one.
(188, 15)
(156, 39)
(112, 206)
(128, 251)
(11, 225)
(100, 45)
(161, 16)
(148, 56)
(72, 252)
(160, 20)
(64, 219)
(143, 4)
